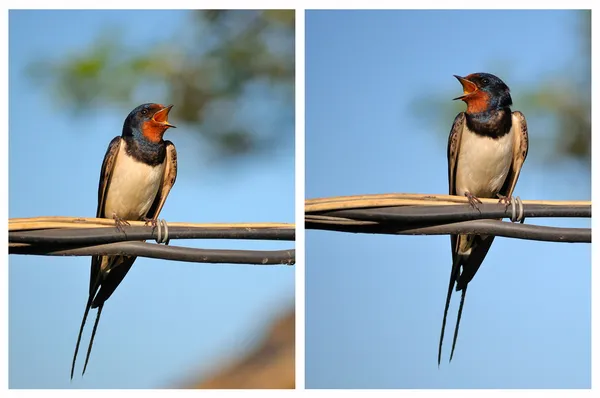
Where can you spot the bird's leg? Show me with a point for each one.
(473, 200)
(503, 199)
(150, 221)
(119, 222)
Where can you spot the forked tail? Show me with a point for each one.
(460, 308)
(87, 356)
(453, 277)
(85, 314)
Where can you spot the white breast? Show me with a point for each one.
(483, 163)
(133, 187)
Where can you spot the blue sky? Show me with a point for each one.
(374, 304)
(168, 321)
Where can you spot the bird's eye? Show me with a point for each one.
(144, 111)
(485, 81)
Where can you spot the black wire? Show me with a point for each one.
(100, 235)
(454, 213)
(141, 249)
(483, 227)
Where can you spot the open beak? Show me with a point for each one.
(162, 116)
(468, 87)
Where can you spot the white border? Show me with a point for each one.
(300, 6)
(4, 201)
(595, 173)
(300, 195)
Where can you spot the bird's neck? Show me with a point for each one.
(145, 143)
(493, 123)
(144, 150)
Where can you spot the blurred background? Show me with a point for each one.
(379, 109)
(74, 77)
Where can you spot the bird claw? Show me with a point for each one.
(150, 221)
(119, 222)
(504, 200)
(473, 200)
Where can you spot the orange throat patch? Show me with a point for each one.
(477, 102)
(153, 131)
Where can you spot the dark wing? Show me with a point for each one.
(168, 181)
(108, 166)
(453, 149)
(520, 149)
(105, 174)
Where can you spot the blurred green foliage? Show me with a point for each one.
(216, 65)
(561, 103)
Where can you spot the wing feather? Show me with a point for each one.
(169, 178)
(453, 149)
(520, 150)
(108, 166)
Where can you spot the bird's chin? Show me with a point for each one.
(153, 131)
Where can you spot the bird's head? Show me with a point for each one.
(151, 120)
(484, 92)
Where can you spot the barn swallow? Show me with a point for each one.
(486, 149)
(138, 171)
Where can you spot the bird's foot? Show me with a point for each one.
(504, 200)
(473, 200)
(120, 222)
(150, 221)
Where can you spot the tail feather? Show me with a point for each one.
(94, 286)
(89, 351)
(444, 321)
(460, 308)
(85, 314)
(453, 277)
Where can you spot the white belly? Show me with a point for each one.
(483, 164)
(133, 187)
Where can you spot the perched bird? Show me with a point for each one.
(138, 171)
(486, 149)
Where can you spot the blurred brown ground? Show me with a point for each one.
(270, 365)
